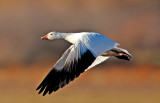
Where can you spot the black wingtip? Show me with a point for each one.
(41, 90)
(58, 79)
(38, 88)
(44, 93)
(50, 92)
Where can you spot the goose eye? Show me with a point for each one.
(51, 34)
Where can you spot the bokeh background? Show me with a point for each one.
(25, 59)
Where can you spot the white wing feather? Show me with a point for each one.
(98, 60)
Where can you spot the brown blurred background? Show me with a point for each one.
(25, 59)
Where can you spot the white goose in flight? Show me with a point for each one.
(87, 50)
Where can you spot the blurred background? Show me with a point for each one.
(25, 59)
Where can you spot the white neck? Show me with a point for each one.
(62, 35)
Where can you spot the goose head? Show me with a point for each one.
(50, 36)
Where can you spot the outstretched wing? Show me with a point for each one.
(74, 61)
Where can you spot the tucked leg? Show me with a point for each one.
(119, 53)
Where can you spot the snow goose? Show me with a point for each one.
(87, 50)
